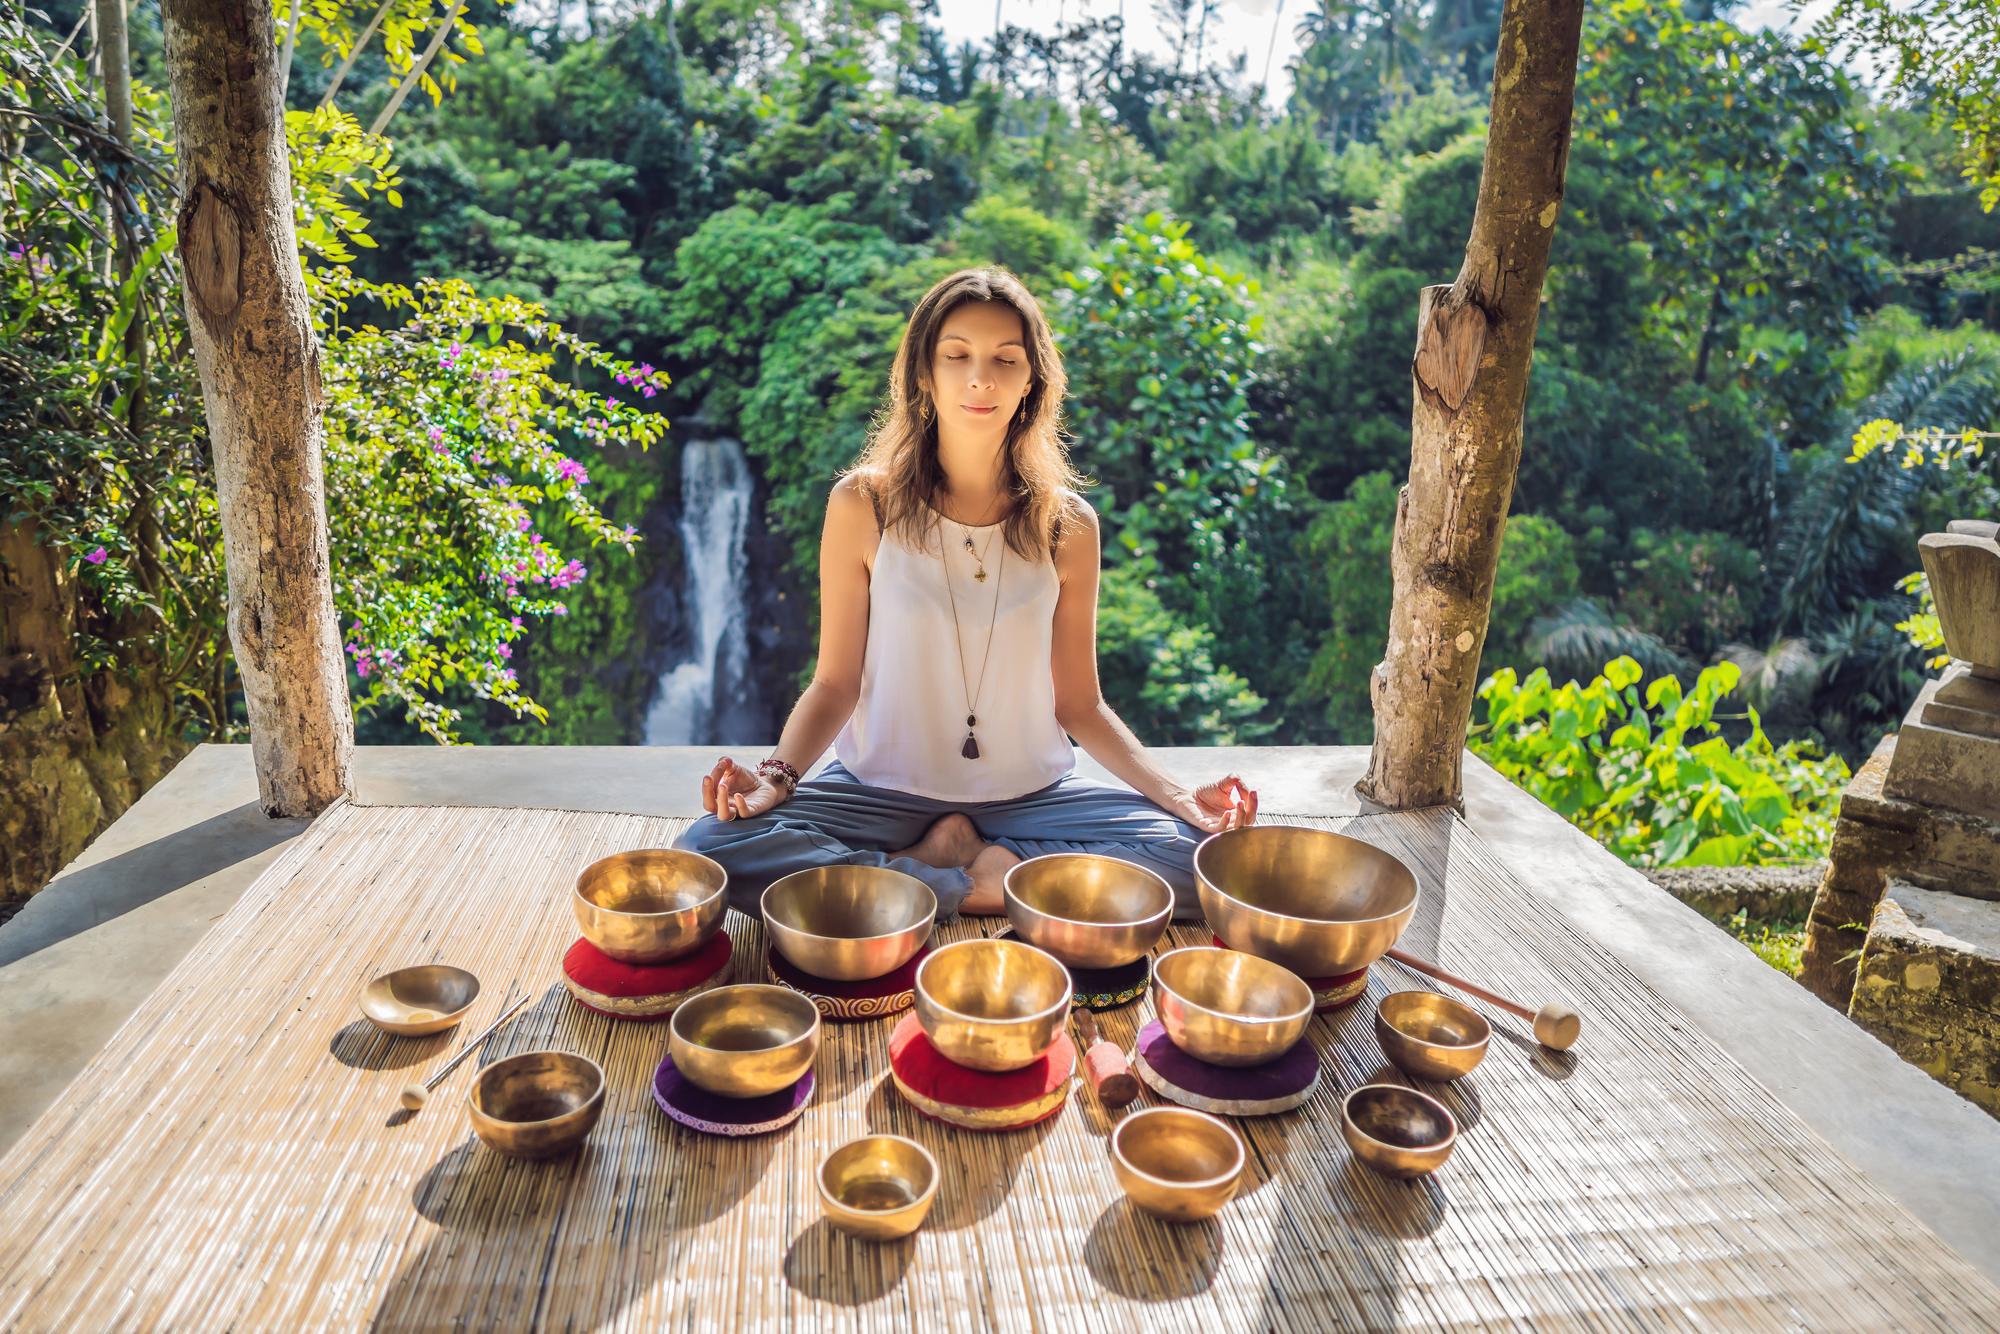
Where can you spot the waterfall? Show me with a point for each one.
(695, 693)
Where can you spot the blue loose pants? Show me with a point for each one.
(836, 818)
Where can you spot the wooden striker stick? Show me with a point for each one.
(1557, 1026)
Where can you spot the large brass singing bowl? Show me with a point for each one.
(651, 904)
(746, 1040)
(878, 1186)
(1320, 903)
(1229, 1008)
(992, 1004)
(1431, 1036)
(1177, 1163)
(414, 1001)
(848, 923)
(537, 1104)
(1088, 911)
(1397, 1131)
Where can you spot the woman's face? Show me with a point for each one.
(979, 372)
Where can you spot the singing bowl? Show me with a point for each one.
(746, 1040)
(992, 1004)
(848, 923)
(1177, 1163)
(1430, 1036)
(1320, 903)
(651, 904)
(1397, 1131)
(414, 1001)
(537, 1104)
(1088, 911)
(879, 1186)
(1227, 1007)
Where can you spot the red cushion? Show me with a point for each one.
(920, 1068)
(594, 970)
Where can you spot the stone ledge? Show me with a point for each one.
(1773, 893)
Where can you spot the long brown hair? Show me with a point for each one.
(899, 466)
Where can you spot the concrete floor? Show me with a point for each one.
(85, 953)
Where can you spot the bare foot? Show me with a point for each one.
(989, 875)
(952, 840)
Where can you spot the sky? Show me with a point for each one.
(1258, 28)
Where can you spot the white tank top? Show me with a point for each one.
(908, 727)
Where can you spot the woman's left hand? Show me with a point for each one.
(1210, 809)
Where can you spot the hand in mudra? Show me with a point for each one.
(1210, 809)
(731, 792)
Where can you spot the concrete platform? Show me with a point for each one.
(83, 955)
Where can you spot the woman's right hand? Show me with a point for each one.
(731, 792)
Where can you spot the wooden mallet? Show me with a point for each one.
(1104, 1067)
(1557, 1026)
(414, 1096)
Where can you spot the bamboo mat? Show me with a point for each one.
(233, 1157)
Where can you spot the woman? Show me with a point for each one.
(958, 645)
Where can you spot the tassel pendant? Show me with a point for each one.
(970, 750)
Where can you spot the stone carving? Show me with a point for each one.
(1948, 753)
(1963, 566)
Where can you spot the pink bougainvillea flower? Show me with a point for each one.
(505, 650)
(97, 557)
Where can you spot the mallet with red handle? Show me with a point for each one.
(1104, 1067)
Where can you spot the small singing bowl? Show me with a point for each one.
(651, 904)
(1088, 911)
(1177, 1163)
(992, 1004)
(1397, 1131)
(537, 1104)
(746, 1040)
(1431, 1036)
(1229, 1008)
(848, 923)
(414, 1001)
(879, 1186)
(1320, 903)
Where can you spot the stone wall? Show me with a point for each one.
(1929, 986)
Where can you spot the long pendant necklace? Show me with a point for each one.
(970, 750)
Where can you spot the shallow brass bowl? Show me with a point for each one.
(879, 1186)
(992, 1004)
(746, 1040)
(414, 1001)
(537, 1104)
(651, 904)
(1177, 1163)
(1320, 903)
(849, 923)
(1088, 911)
(1431, 1036)
(1227, 1007)
(1397, 1131)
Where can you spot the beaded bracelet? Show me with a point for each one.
(778, 771)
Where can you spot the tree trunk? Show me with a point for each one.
(1475, 340)
(252, 334)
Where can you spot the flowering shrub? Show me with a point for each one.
(456, 429)
(1649, 774)
(450, 450)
